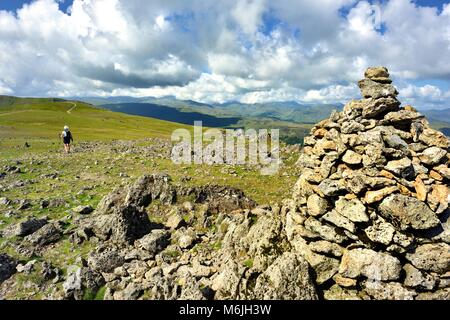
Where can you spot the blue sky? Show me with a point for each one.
(13, 5)
(245, 50)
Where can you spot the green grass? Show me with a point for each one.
(45, 118)
(172, 253)
(290, 132)
(91, 295)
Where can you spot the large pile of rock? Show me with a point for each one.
(219, 246)
(370, 209)
(121, 216)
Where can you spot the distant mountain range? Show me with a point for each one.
(292, 118)
(283, 111)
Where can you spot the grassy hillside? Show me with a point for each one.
(38, 123)
(45, 118)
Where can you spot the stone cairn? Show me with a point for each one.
(370, 208)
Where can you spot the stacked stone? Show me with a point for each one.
(371, 209)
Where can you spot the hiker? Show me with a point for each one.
(66, 135)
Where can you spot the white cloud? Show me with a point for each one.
(425, 97)
(335, 93)
(272, 95)
(248, 14)
(364, 19)
(228, 64)
(161, 22)
(218, 51)
(4, 89)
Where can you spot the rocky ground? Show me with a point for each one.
(44, 194)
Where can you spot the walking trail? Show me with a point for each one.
(73, 107)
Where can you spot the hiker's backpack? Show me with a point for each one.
(67, 135)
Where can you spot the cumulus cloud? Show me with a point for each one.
(427, 96)
(332, 94)
(246, 50)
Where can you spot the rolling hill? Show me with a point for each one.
(45, 118)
